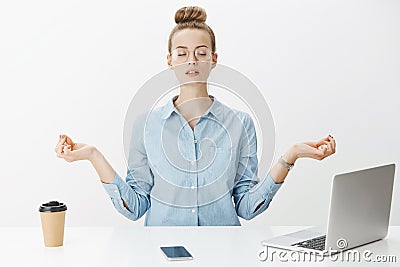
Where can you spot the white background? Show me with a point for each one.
(325, 67)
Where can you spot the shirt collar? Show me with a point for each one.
(215, 109)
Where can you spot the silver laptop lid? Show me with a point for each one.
(360, 207)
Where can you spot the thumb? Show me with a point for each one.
(322, 142)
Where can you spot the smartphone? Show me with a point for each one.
(176, 253)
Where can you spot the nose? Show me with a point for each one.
(191, 57)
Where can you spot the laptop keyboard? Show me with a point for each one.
(317, 243)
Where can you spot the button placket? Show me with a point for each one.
(196, 174)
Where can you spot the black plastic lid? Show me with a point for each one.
(52, 206)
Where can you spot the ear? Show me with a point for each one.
(214, 60)
(169, 60)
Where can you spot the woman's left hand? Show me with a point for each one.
(316, 150)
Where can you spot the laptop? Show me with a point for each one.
(359, 214)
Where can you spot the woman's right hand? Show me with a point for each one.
(71, 151)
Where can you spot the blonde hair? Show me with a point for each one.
(191, 17)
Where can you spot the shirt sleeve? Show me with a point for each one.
(251, 197)
(135, 189)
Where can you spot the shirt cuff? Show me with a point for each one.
(117, 188)
(269, 187)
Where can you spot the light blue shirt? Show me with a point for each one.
(205, 176)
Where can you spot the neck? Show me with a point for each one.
(191, 91)
(193, 101)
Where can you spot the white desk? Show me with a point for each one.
(139, 246)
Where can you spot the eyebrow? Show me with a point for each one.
(181, 46)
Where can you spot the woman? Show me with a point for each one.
(200, 190)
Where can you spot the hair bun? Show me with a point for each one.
(190, 13)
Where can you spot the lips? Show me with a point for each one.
(192, 72)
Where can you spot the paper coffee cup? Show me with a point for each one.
(52, 215)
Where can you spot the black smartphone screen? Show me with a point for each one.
(176, 253)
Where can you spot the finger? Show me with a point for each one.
(60, 142)
(69, 155)
(74, 146)
(330, 148)
(69, 140)
(325, 139)
(322, 144)
(322, 141)
(71, 143)
(333, 142)
(60, 151)
(325, 151)
(66, 151)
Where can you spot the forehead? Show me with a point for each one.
(191, 38)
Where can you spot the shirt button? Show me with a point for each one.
(115, 191)
(193, 210)
(195, 141)
(192, 187)
(192, 162)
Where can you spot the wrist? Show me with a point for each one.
(94, 154)
(291, 155)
